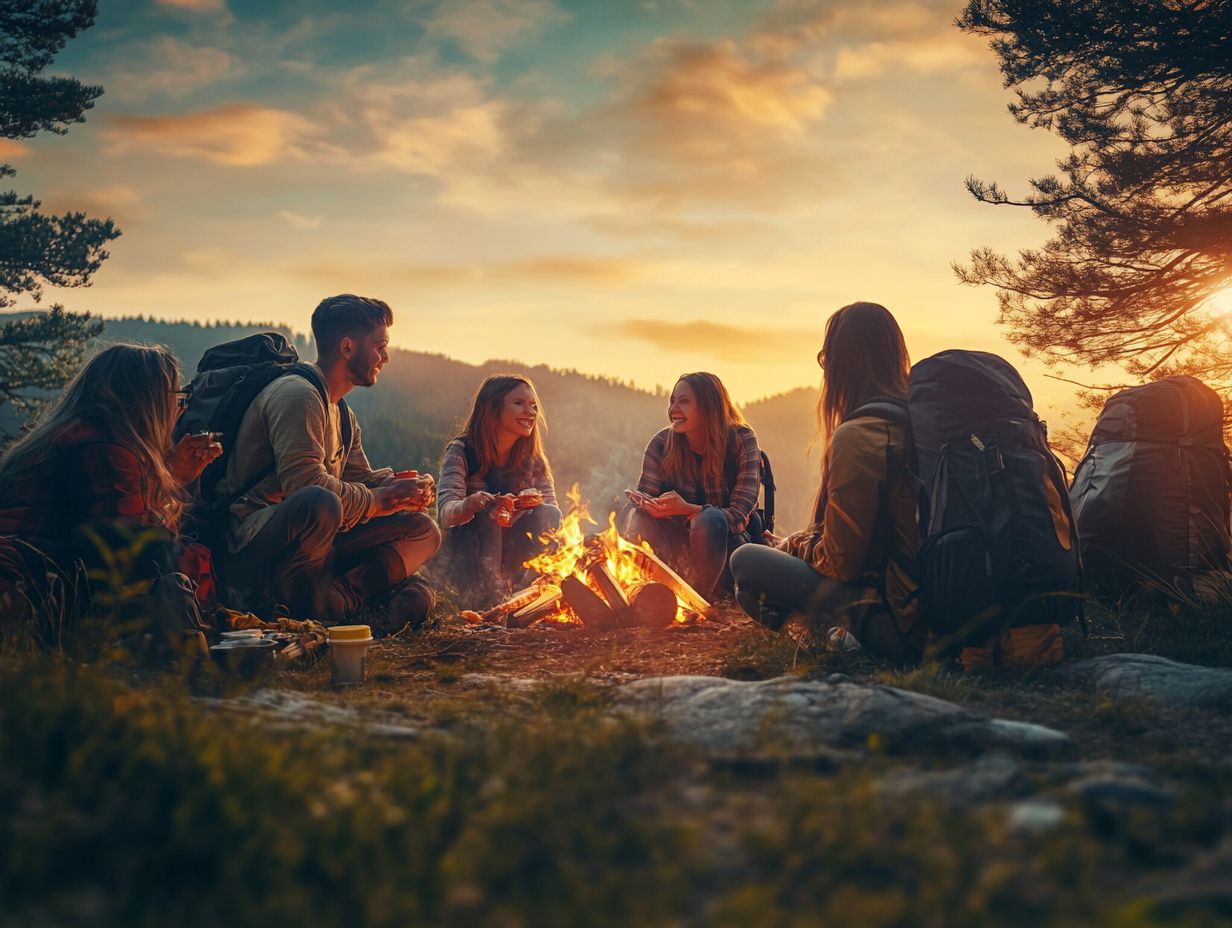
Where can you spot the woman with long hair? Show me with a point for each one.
(496, 500)
(696, 500)
(854, 567)
(101, 456)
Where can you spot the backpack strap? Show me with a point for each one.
(310, 373)
(768, 488)
(890, 408)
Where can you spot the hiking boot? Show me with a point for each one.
(840, 639)
(409, 604)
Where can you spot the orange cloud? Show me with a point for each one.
(717, 88)
(116, 201)
(485, 28)
(552, 270)
(169, 66)
(752, 344)
(935, 55)
(237, 135)
(12, 149)
(196, 6)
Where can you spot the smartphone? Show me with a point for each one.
(637, 499)
(212, 436)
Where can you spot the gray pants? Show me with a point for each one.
(772, 586)
(485, 560)
(302, 559)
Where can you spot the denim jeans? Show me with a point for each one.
(696, 549)
(772, 586)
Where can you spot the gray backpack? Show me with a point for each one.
(1151, 494)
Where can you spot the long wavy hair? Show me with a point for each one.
(479, 432)
(127, 392)
(863, 355)
(720, 417)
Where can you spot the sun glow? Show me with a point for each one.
(1221, 301)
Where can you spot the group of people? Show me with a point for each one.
(311, 525)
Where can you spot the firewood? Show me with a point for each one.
(654, 605)
(523, 597)
(602, 577)
(587, 604)
(547, 603)
(649, 563)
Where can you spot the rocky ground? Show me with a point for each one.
(1132, 750)
(716, 774)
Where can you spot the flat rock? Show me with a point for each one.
(1147, 676)
(299, 710)
(723, 715)
(995, 776)
(1034, 816)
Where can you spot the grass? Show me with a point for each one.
(126, 801)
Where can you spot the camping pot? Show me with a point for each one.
(245, 657)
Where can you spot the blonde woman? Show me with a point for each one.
(103, 454)
(496, 500)
(696, 499)
(854, 567)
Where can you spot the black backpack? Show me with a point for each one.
(229, 377)
(731, 473)
(998, 544)
(1151, 493)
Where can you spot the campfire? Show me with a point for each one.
(600, 581)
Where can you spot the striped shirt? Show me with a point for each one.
(737, 501)
(456, 482)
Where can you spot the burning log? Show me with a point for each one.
(547, 603)
(519, 601)
(650, 564)
(601, 575)
(587, 604)
(654, 605)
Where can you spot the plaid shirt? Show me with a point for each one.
(737, 502)
(456, 482)
(86, 478)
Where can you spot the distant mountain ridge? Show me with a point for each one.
(597, 427)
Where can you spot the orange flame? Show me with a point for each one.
(571, 551)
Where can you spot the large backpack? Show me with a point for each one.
(998, 545)
(229, 377)
(1151, 493)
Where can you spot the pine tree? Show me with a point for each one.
(1142, 209)
(39, 351)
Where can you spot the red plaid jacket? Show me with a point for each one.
(86, 478)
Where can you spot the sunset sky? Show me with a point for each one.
(628, 188)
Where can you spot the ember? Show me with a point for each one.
(600, 581)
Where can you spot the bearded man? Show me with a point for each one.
(323, 532)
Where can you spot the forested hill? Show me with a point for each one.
(597, 427)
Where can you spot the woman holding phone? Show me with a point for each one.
(496, 500)
(854, 567)
(696, 499)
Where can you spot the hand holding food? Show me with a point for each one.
(528, 499)
(192, 454)
(477, 501)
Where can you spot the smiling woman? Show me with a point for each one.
(697, 496)
(496, 466)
